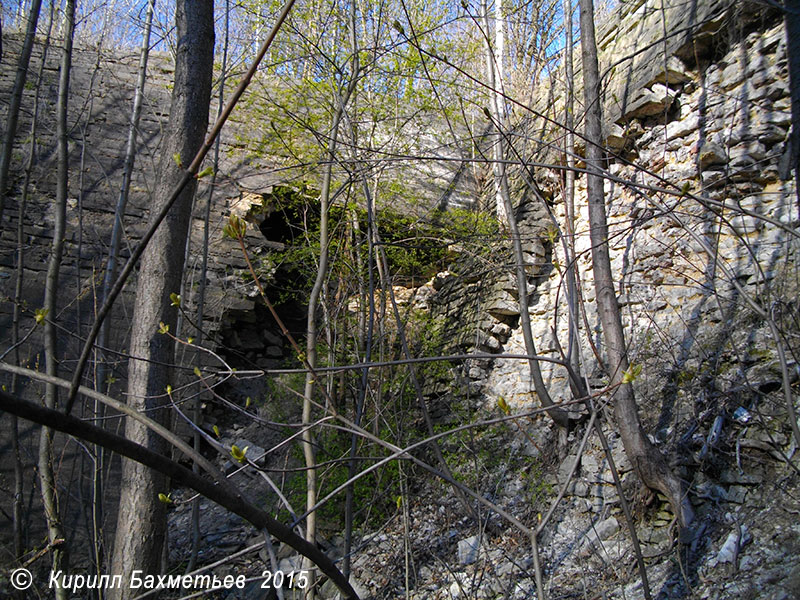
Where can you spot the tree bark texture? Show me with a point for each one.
(494, 60)
(141, 523)
(16, 100)
(646, 459)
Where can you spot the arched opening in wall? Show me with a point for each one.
(282, 248)
(282, 241)
(249, 336)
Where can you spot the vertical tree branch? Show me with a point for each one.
(46, 475)
(16, 100)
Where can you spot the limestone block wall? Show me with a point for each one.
(477, 301)
(101, 98)
(100, 102)
(704, 113)
(702, 229)
(700, 217)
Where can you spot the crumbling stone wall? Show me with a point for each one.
(724, 219)
(697, 208)
(702, 218)
(100, 103)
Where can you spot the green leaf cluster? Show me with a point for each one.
(416, 249)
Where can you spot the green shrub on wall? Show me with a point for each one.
(415, 249)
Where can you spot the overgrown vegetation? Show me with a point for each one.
(416, 249)
(418, 109)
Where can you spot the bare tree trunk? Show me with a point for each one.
(573, 334)
(792, 24)
(647, 460)
(19, 538)
(559, 416)
(505, 213)
(366, 324)
(103, 373)
(494, 74)
(141, 523)
(19, 486)
(16, 100)
(201, 294)
(311, 322)
(500, 52)
(96, 509)
(127, 171)
(47, 480)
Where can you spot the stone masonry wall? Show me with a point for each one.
(701, 220)
(696, 204)
(702, 226)
(715, 147)
(100, 103)
(704, 114)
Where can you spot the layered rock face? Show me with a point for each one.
(101, 97)
(703, 234)
(701, 220)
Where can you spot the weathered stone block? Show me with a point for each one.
(503, 304)
(615, 138)
(650, 102)
(671, 73)
(468, 549)
(710, 154)
(732, 75)
(684, 127)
